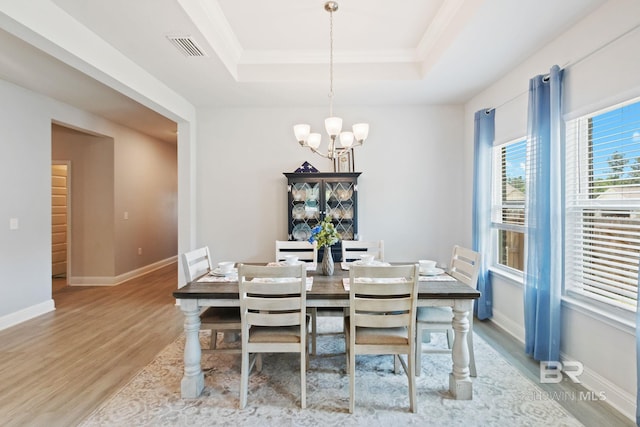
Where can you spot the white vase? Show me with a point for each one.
(327, 262)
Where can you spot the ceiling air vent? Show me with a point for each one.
(187, 45)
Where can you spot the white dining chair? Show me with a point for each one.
(464, 267)
(353, 249)
(216, 319)
(382, 319)
(274, 319)
(307, 252)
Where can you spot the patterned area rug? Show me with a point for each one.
(502, 396)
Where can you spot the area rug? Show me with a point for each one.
(501, 395)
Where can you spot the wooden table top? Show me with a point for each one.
(327, 287)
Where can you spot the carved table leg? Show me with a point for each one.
(460, 384)
(193, 379)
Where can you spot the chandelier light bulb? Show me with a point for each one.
(333, 125)
(302, 132)
(314, 140)
(361, 131)
(346, 139)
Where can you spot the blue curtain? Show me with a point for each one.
(544, 207)
(484, 135)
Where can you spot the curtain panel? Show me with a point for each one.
(484, 135)
(544, 217)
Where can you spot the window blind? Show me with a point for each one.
(603, 205)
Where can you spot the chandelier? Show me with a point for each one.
(333, 125)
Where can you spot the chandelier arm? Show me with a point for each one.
(317, 152)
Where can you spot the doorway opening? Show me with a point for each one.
(60, 201)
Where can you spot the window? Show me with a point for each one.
(508, 203)
(603, 205)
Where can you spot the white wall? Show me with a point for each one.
(408, 193)
(146, 188)
(602, 67)
(25, 254)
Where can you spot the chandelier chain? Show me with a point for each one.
(330, 63)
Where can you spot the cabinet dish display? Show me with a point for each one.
(312, 196)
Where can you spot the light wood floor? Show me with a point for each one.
(56, 369)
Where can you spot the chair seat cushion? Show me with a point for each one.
(434, 314)
(279, 334)
(221, 315)
(379, 335)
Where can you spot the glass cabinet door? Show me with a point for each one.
(312, 196)
(305, 209)
(340, 206)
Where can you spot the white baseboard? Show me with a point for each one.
(508, 325)
(117, 280)
(621, 400)
(26, 314)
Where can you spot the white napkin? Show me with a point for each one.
(439, 278)
(310, 265)
(212, 278)
(345, 281)
(345, 265)
(309, 283)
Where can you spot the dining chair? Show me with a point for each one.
(216, 319)
(307, 252)
(274, 319)
(464, 267)
(352, 249)
(382, 319)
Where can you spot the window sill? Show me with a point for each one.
(621, 319)
(511, 276)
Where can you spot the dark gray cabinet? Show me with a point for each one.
(312, 196)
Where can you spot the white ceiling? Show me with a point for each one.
(263, 53)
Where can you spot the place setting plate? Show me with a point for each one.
(218, 273)
(431, 272)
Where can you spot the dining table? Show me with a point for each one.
(326, 291)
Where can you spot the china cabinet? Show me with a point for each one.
(312, 196)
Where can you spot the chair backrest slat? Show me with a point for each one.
(378, 321)
(196, 263)
(384, 304)
(352, 249)
(305, 251)
(273, 304)
(465, 265)
(273, 319)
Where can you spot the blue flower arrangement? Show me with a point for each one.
(324, 233)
